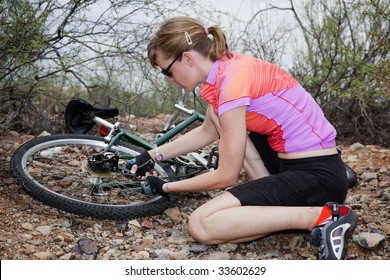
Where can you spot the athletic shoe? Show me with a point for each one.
(351, 176)
(332, 237)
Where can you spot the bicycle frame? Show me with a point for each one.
(195, 116)
(116, 132)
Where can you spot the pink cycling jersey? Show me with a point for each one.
(277, 105)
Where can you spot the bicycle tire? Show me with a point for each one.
(42, 176)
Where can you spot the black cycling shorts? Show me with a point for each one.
(299, 182)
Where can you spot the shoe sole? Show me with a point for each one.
(348, 233)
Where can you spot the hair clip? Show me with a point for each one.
(188, 38)
(208, 34)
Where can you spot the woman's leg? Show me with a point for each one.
(223, 219)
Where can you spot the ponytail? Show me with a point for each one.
(219, 47)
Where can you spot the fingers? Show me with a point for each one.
(147, 174)
(134, 169)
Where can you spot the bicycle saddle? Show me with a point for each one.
(79, 115)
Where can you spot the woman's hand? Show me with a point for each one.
(155, 186)
(140, 164)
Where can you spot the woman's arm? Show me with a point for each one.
(233, 137)
(193, 140)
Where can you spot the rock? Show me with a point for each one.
(174, 214)
(59, 239)
(373, 147)
(383, 170)
(117, 242)
(44, 230)
(368, 240)
(374, 205)
(66, 182)
(27, 226)
(219, 256)
(44, 255)
(386, 228)
(26, 236)
(68, 237)
(365, 199)
(14, 134)
(147, 224)
(134, 223)
(385, 195)
(199, 248)
(149, 239)
(7, 146)
(373, 183)
(44, 133)
(87, 246)
(368, 176)
(139, 248)
(227, 247)
(272, 254)
(182, 255)
(355, 148)
(25, 138)
(163, 254)
(121, 226)
(143, 255)
(385, 182)
(166, 222)
(177, 240)
(251, 256)
(352, 199)
(66, 257)
(352, 158)
(66, 223)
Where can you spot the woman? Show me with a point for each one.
(265, 122)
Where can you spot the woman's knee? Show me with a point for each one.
(204, 222)
(197, 227)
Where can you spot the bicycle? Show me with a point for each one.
(87, 174)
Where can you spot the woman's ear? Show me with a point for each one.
(188, 58)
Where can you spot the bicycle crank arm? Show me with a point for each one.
(199, 158)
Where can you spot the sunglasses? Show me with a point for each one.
(167, 71)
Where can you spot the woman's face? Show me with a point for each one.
(178, 70)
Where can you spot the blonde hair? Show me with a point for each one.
(172, 39)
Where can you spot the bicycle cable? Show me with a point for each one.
(196, 98)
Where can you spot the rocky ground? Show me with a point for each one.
(31, 230)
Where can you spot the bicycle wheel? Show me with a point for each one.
(52, 170)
